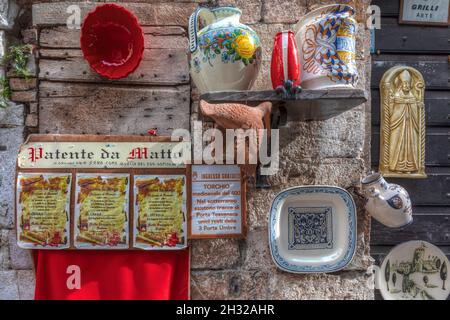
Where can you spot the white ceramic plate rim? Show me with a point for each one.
(325, 268)
(388, 257)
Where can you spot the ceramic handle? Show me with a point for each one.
(193, 26)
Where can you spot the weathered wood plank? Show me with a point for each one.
(435, 69)
(167, 13)
(437, 146)
(22, 84)
(85, 108)
(23, 96)
(431, 228)
(158, 66)
(164, 61)
(170, 37)
(437, 108)
(395, 38)
(388, 8)
(432, 191)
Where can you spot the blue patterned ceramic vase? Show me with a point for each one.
(225, 54)
(326, 42)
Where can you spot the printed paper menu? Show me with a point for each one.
(101, 211)
(160, 212)
(216, 201)
(43, 210)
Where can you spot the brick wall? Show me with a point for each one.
(328, 152)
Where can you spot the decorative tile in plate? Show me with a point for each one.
(312, 229)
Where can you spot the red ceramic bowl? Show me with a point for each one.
(112, 41)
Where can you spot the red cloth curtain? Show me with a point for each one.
(113, 275)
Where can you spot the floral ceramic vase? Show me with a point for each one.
(388, 203)
(326, 41)
(225, 54)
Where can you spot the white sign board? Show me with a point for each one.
(428, 12)
(218, 208)
(102, 155)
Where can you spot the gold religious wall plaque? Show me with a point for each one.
(402, 126)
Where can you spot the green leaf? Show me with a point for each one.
(217, 51)
(245, 61)
(231, 51)
(5, 93)
(237, 57)
(17, 58)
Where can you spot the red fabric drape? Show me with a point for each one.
(113, 275)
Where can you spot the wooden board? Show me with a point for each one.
(173, 13)
(158, 66)
(426, 49)
(435, 69)
(170, 37)
(394, 38)
(390, 8)
(432, 191)
(434, 228)
(164, 61)
(108, 109)
(437, 108)
(437, 146)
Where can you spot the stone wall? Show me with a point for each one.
(331, 152)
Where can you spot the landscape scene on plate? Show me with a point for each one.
(417, 278)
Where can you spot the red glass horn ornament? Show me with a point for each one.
(285, 65)
(112, 41)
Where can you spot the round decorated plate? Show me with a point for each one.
(414, 270)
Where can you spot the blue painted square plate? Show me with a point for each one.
(312, 229)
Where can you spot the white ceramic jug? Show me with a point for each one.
(225, 54)
(388, 203)
(326, 43)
